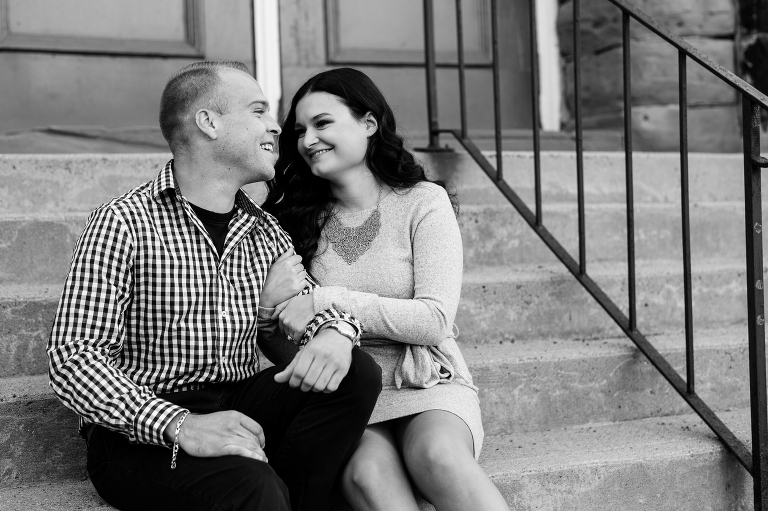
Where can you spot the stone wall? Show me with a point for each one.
(713, 112)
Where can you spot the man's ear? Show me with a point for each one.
(371, 124)
(208, 122)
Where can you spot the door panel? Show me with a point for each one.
(385, 40)
(106, 62)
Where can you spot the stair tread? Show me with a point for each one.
(486, 355)
(505, 457)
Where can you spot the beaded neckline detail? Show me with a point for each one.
(352, 242)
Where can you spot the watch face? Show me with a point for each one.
(346, 328)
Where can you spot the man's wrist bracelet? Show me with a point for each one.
(321, 320)
(176, 438)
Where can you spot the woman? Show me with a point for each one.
(385, 246)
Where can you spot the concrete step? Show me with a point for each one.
(656, 177)
(37, 249)
(671, 463)
(497, 304)
(543, 301)
(524, 387)
(56, 184)
(535, 385)
(50, 183)
(498, 235)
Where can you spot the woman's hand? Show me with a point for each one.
(286, 278)
(295, 315)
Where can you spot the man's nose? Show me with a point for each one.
(272, 125)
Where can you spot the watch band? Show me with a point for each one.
(336, 325)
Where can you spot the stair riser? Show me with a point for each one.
(559, 307)
(497, 235)
(38, 442)
(712, 482)
(546, 307)
(656, 177)
(537, 395)
(39, 251)
(39, 435)
(64, 183)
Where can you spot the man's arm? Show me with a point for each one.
(88, 333)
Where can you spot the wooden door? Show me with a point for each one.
(385, 40)
(105, 62)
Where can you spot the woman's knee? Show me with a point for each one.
(436, 459)
(364, 476)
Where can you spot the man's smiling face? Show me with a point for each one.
(248, 131)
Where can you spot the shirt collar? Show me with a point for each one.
(164, 182)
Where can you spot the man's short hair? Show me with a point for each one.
(192, 87)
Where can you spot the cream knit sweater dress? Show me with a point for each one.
(405, 290)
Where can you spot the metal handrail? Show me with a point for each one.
(756, 461)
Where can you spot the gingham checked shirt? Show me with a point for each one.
(149, 307)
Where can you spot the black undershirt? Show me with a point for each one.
(217, 225)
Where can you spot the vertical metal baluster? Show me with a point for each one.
(496, 88)
(579, 135)
(429, 65)
(535, 112)
(462, 82)
(628, 157)
(683, 98)
(755, 300)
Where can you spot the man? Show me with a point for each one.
(158, 318)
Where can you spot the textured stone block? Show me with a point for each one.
(715, 129)
(654, 77)
(601, 21)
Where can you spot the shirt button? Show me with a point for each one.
(224, 314)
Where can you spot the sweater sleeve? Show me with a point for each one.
(427, 318)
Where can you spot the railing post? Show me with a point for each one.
(755, 299)
(429, 65)
(579, 136)
(535, 111)
(626, 46)
(496, 90)
(686, 222)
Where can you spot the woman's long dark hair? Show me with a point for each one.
(302, 201)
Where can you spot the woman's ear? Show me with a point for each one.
(207, 121)
(371, 124)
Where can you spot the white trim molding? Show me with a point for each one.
(266, 21)
(548, 47)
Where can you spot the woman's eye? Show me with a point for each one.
(322, 123)
(299, 133)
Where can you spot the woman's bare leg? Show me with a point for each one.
(438, 452)
(375, 477)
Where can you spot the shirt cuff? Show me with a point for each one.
(151, 421)
(326, 316)
(265, 314)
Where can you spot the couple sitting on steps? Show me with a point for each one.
(176, 287)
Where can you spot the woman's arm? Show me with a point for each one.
(428, 317)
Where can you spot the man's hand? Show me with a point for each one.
(285, 278)
(219, 434)
(321, 365)
(295, 315)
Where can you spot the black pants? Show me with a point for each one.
(309, 438)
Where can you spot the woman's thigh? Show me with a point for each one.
(434, 444)
(375, 477)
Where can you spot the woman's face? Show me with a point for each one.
(331, 139)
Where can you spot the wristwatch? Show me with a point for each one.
(345, 329)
